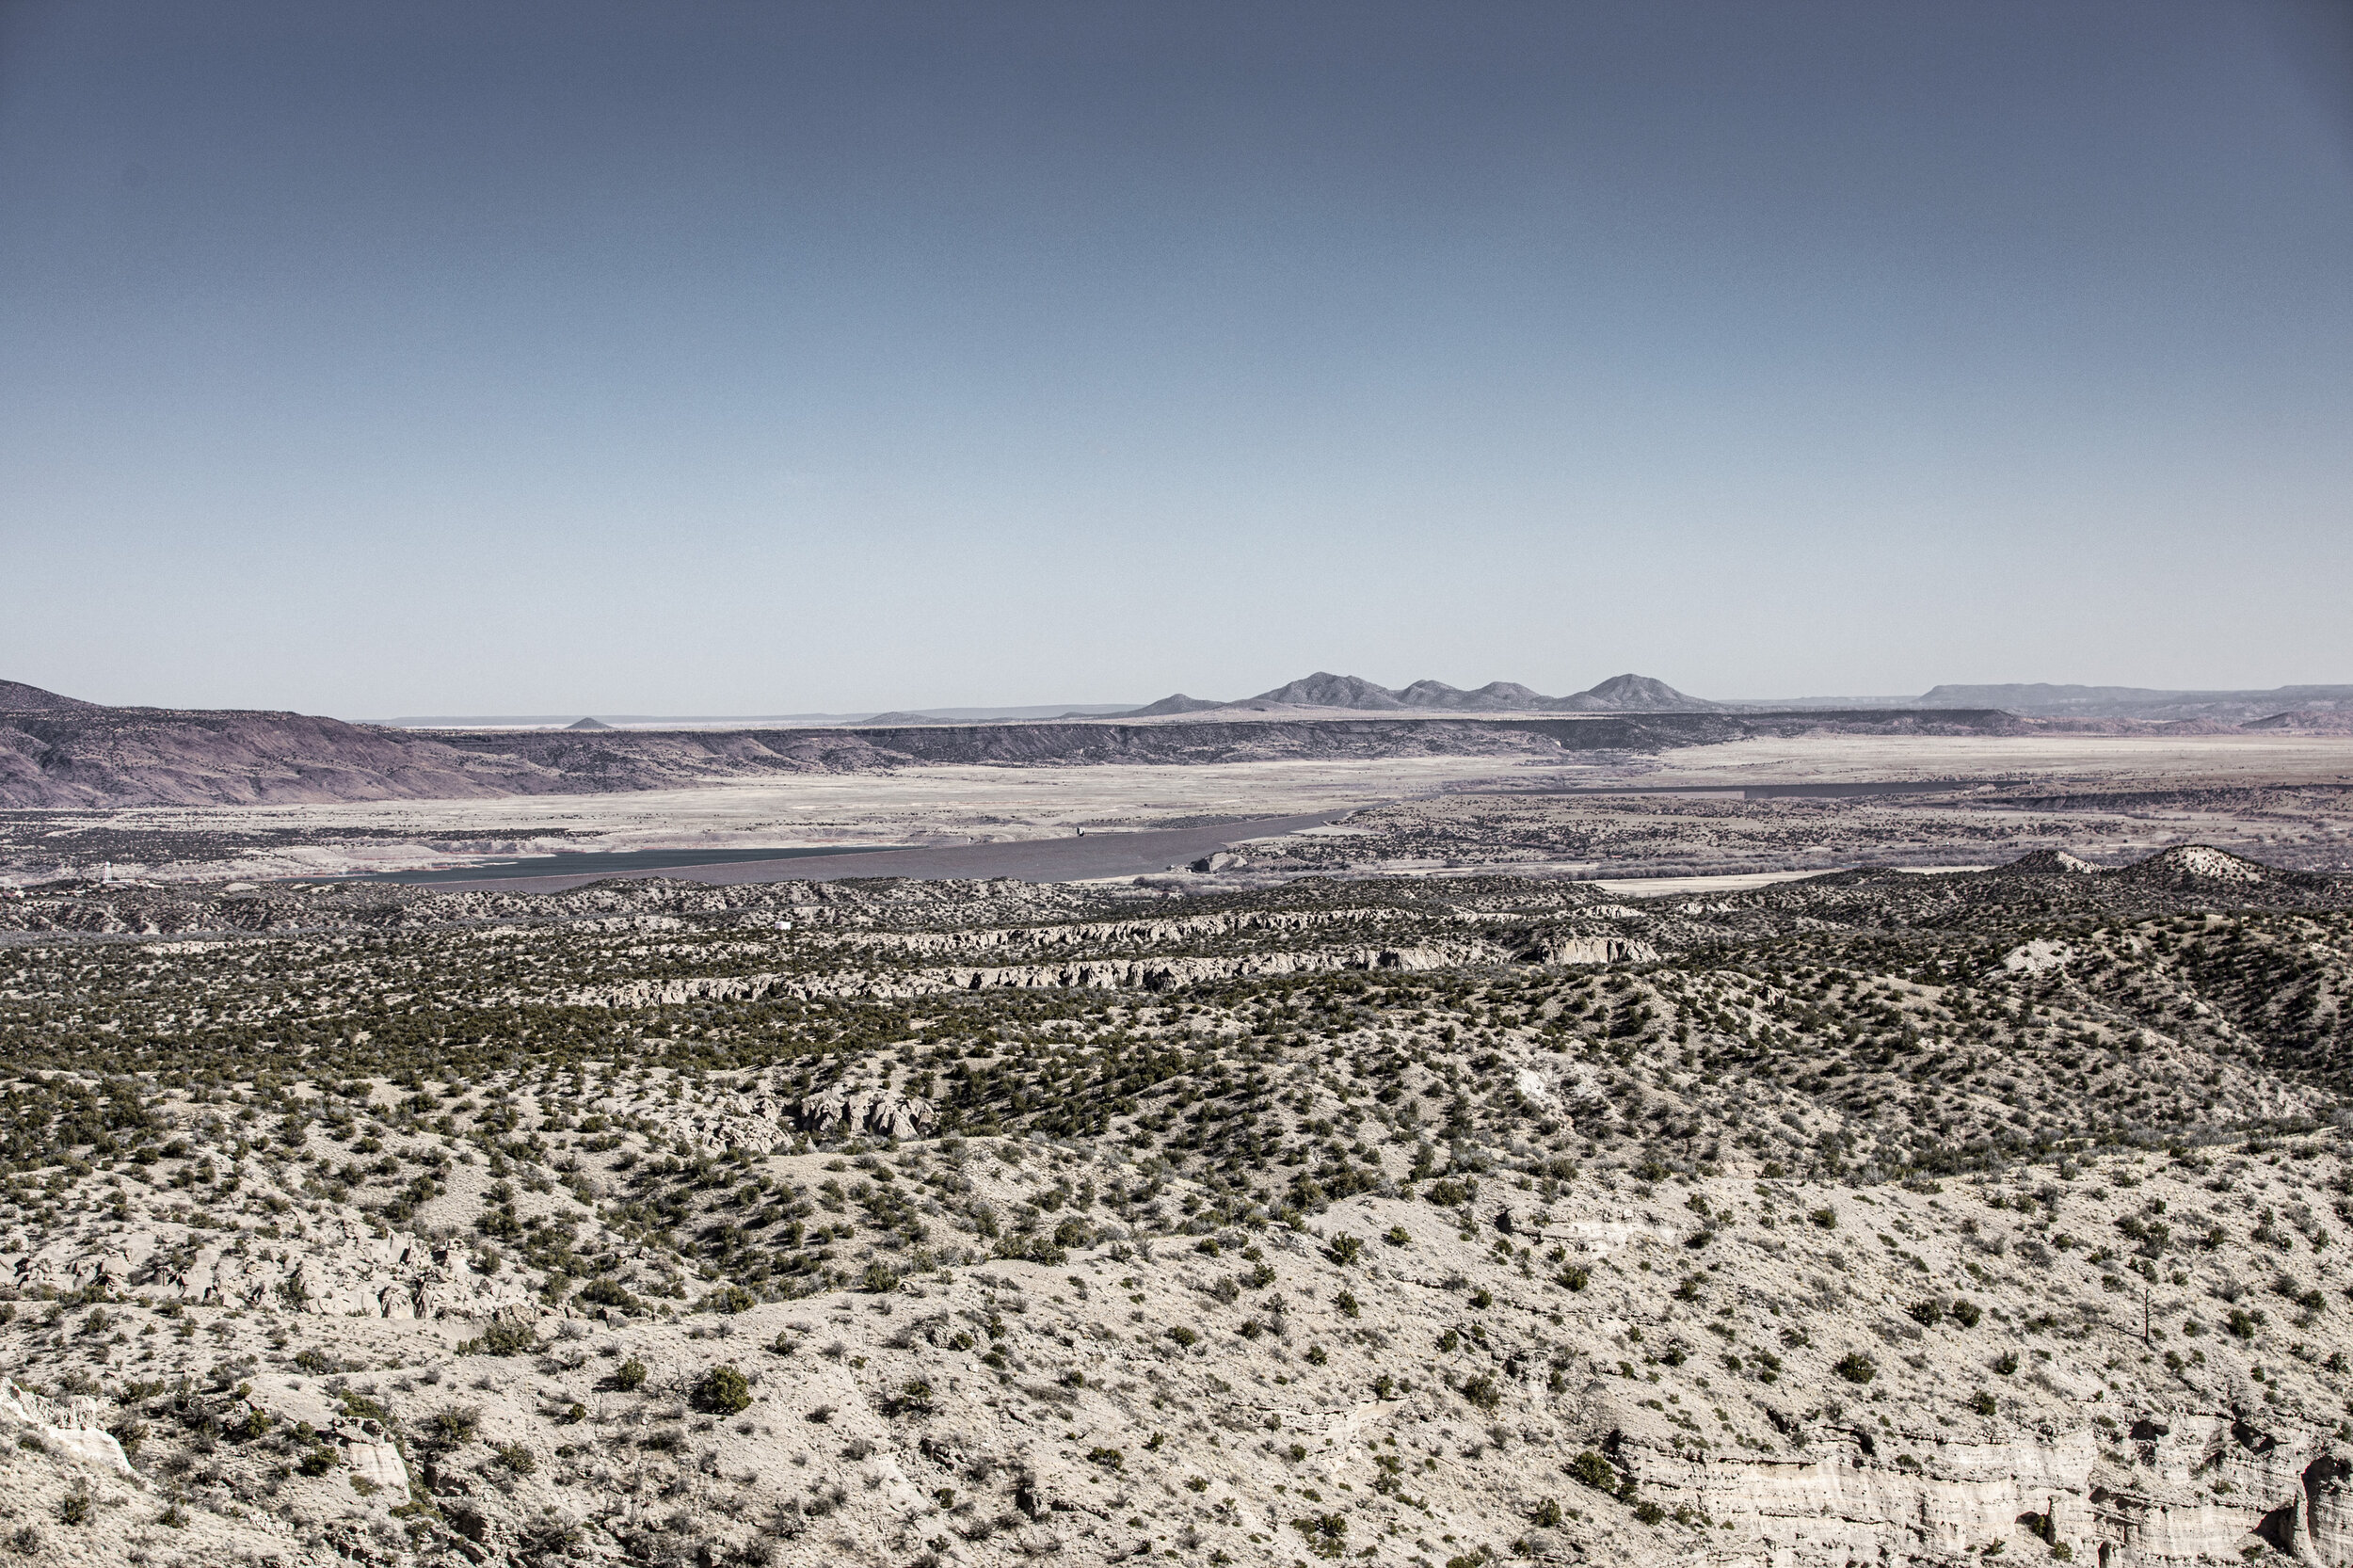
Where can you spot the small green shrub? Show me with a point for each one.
(607, 1292)
(454, 1424)
(1590, 1469)
(722, 1391)
(1326, 1534)
(503, 1339)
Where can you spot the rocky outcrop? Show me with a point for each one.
(1121, 933)
(340, 1270)
(1094, 974)
(2182, 1486)
(844, 1110)
(1592, 950)
(69, 1427)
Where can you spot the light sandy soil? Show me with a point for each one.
(942, 805)
(2217, 759)
(982, 804)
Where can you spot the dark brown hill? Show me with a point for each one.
(87, 756)
(17, 697)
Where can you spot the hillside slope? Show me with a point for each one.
(89, 756)
(1867, 1219)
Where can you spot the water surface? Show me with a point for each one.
(611, 862)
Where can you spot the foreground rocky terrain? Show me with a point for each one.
(1869, 1218)
(2304, 825)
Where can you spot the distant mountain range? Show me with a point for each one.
(2147, 704)
(2282, 707)
(62, 752)
(1619, 694)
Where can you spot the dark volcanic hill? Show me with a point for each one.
(1177, 702)
(1635, 693)
(1619, 694)
(1324, 690)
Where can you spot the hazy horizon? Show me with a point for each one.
(379, 360)
(1032, 709)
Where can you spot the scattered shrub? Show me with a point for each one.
(1326, 1534)
(1856, 1368)
(721, 1391)
(1590, 1469)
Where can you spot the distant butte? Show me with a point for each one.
(1619, 694)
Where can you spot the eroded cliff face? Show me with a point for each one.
(2201, 1485)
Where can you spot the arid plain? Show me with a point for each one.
(2289, 795)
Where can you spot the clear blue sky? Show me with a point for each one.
(383, 357)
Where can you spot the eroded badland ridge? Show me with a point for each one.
(1870, 1218)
